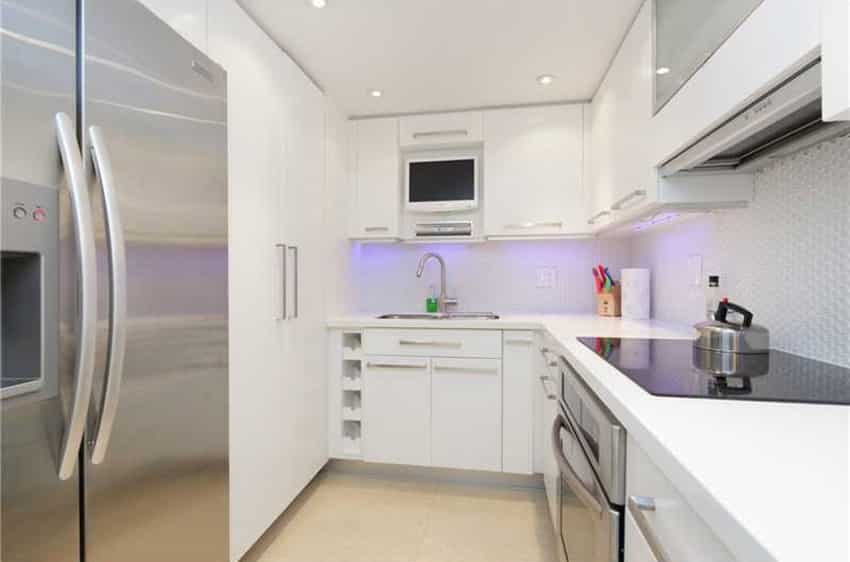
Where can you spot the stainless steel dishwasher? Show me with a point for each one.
(590, 447)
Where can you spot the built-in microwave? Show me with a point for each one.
(441, 183)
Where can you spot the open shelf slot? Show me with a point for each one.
(351, 437)
(352, 375)
(351, 405)
(352, 345)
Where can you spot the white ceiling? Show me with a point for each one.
(430, 55)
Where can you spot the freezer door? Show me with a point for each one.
(155, 137)
(39, 511)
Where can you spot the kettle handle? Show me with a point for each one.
(725, 306)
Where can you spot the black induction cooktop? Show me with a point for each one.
(665, 367)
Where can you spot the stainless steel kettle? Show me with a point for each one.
(724, 336)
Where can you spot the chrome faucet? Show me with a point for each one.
(443, 301)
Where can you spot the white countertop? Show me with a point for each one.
(772, 480)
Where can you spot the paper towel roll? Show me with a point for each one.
(636, 291)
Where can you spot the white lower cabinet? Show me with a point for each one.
(443, 398)
(551, 474)
(466, 413)
(518, 402)
(397, 410)
(547, 409)
(660, 525)
(637, 549)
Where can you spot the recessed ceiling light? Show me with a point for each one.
(376, 93)
(662, 70)
(318, 3)
(545, 79)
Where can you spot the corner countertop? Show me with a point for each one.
(771, 479)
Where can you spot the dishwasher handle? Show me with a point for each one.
(587, 496)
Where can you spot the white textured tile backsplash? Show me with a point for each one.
(786, 257)
(494, 276)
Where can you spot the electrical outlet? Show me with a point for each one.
(547, 277)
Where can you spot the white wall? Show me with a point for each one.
(494, 276)
(340, 297)
(786, 257)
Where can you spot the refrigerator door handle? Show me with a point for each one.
(102, 164)
(295, 260)
(84, 362)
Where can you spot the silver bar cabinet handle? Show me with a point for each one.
(102, 164)
(372, 365)
(638, 506)
(376, 229)
(432, 343)
(621, 203)
(465, 369)
(527, 225)
(577, 486)
(295, 259)
(283, 282)
(444, 133)
(87, 321)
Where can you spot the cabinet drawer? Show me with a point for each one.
(660, 522)
(433, 343)
(441, 129)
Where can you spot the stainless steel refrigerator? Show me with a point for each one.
(114, 288)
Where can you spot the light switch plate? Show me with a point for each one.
(547, 277)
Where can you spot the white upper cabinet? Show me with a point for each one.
(444, 129)
(687, 32)
(533, 160)
(622, 177)
(835, 53)
(375, 165)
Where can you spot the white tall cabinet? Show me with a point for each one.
(276, 161)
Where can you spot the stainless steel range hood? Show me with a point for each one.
(785, 120)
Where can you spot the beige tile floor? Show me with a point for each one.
(356, 518)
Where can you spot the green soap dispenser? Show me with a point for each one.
(431, 303)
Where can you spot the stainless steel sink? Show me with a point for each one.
(441, 316)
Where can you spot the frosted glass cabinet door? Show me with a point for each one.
(687, 33)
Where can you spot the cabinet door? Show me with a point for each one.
(636, 547)
(835, 52)
(634, 180)
(376, 177)
(517, 410)
(551, 475)
(621, 173)
(259, 393)
(466, 414)
(397, 410)
(302, 207)
(533, 176)
(672, 524)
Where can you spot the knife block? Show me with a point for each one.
(609, 304)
